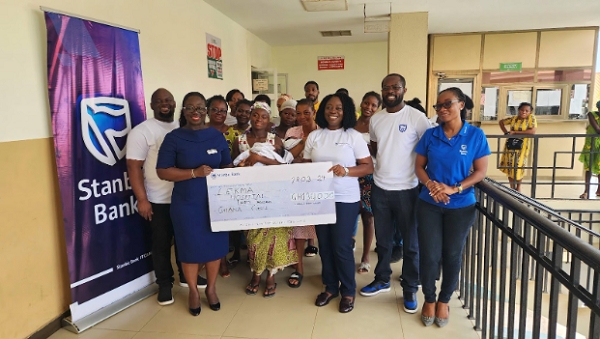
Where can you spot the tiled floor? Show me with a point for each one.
(290, 314)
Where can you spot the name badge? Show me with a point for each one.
(211, 151)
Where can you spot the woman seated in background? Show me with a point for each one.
(184, 158)
(338, 142)
(446, 205)
(287, 118)
(270, 249)
(369, 105)
(217, 113)
(591, 151)
(515, 157)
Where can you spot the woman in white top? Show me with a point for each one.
(338, 142)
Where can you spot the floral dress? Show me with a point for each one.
(517, 158)
(273, 248)
(585, 153)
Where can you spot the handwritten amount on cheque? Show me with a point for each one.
(246, 195)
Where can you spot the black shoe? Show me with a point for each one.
(346, 305)
(215, 307)
(201, 282)
(195, 311)
(324, 299)
(165, 295)
(397, 254)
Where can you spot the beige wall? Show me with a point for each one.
(34, 284)
(456, 52)
(365, 67)
(408, 51)
(509, 47)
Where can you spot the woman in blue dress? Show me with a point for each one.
(187, 155)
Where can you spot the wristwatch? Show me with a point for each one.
(459, 187)
(347, 171)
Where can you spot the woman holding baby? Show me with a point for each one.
(270, 249)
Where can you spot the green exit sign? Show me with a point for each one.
(511, 66)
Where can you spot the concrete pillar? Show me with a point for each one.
(407, 48)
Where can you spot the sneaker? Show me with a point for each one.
(165, 295)
(410, 302)
(397, 254)
(201, 282)
(375, 288)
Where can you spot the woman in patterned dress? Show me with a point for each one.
(512, 161)
(593, 128)
(270, 249)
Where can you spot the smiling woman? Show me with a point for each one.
(338, 142)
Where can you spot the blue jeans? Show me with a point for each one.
(335, 248)
(442, 234)
(395, 211)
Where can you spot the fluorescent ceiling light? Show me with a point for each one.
(325, 5)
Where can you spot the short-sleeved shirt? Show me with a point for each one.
(450, 161)
(231, 135)
(520, 125)
(396, 135)
(143, 143)
(342, 147)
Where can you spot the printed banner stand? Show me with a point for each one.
(96, 97)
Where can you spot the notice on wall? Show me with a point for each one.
(247, 198)
(548, 98)
(213, 56)
(330, 62)
(578, 98)
(260, 85)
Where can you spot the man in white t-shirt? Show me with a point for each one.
(153, 194)
(394, 134)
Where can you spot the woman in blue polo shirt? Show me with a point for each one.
(446, 207)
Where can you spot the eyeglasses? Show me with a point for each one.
(247, 111)
(215, 110)
(388, 88)
(445, 105)
(198, 109)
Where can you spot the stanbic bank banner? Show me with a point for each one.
(96, 98)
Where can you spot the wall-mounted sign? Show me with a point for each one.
(260, 85)
(511, 66)
(213, 55)
(330, 62)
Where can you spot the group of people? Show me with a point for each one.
(392, 167)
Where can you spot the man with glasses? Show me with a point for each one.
(154, 195)
(394, 134)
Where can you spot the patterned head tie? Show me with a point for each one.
(261, 105)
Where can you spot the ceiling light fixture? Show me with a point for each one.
(324, 5)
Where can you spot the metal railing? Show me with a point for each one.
(514, 250)
(565, 149)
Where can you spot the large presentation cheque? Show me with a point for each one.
(271, 196)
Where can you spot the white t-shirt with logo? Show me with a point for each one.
(396, 135)
(143, 143)
(339, 147)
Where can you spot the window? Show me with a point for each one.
(548, 102)
(489, 103)
(579, 101)
(507, 77)
(562, 75)
(515, 98)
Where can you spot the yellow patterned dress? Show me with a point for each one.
(510, 157)
(585, 153)
(271, 249)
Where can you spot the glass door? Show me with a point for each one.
(466, 85)
(265, 81)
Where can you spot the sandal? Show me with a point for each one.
(297, 277)
(272, 289)
(584, 196)
(363, 268)
(252, 289)
(311, 251)
(231, 263)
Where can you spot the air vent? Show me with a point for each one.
(330, 34)
(324, 5)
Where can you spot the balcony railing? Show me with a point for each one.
(529, 272)
(564, 149)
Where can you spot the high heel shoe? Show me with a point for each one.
(196, 311)
(215, 307)
(425, 319)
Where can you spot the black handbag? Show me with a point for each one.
(514, 143)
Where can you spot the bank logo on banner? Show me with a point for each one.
(105, 121)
